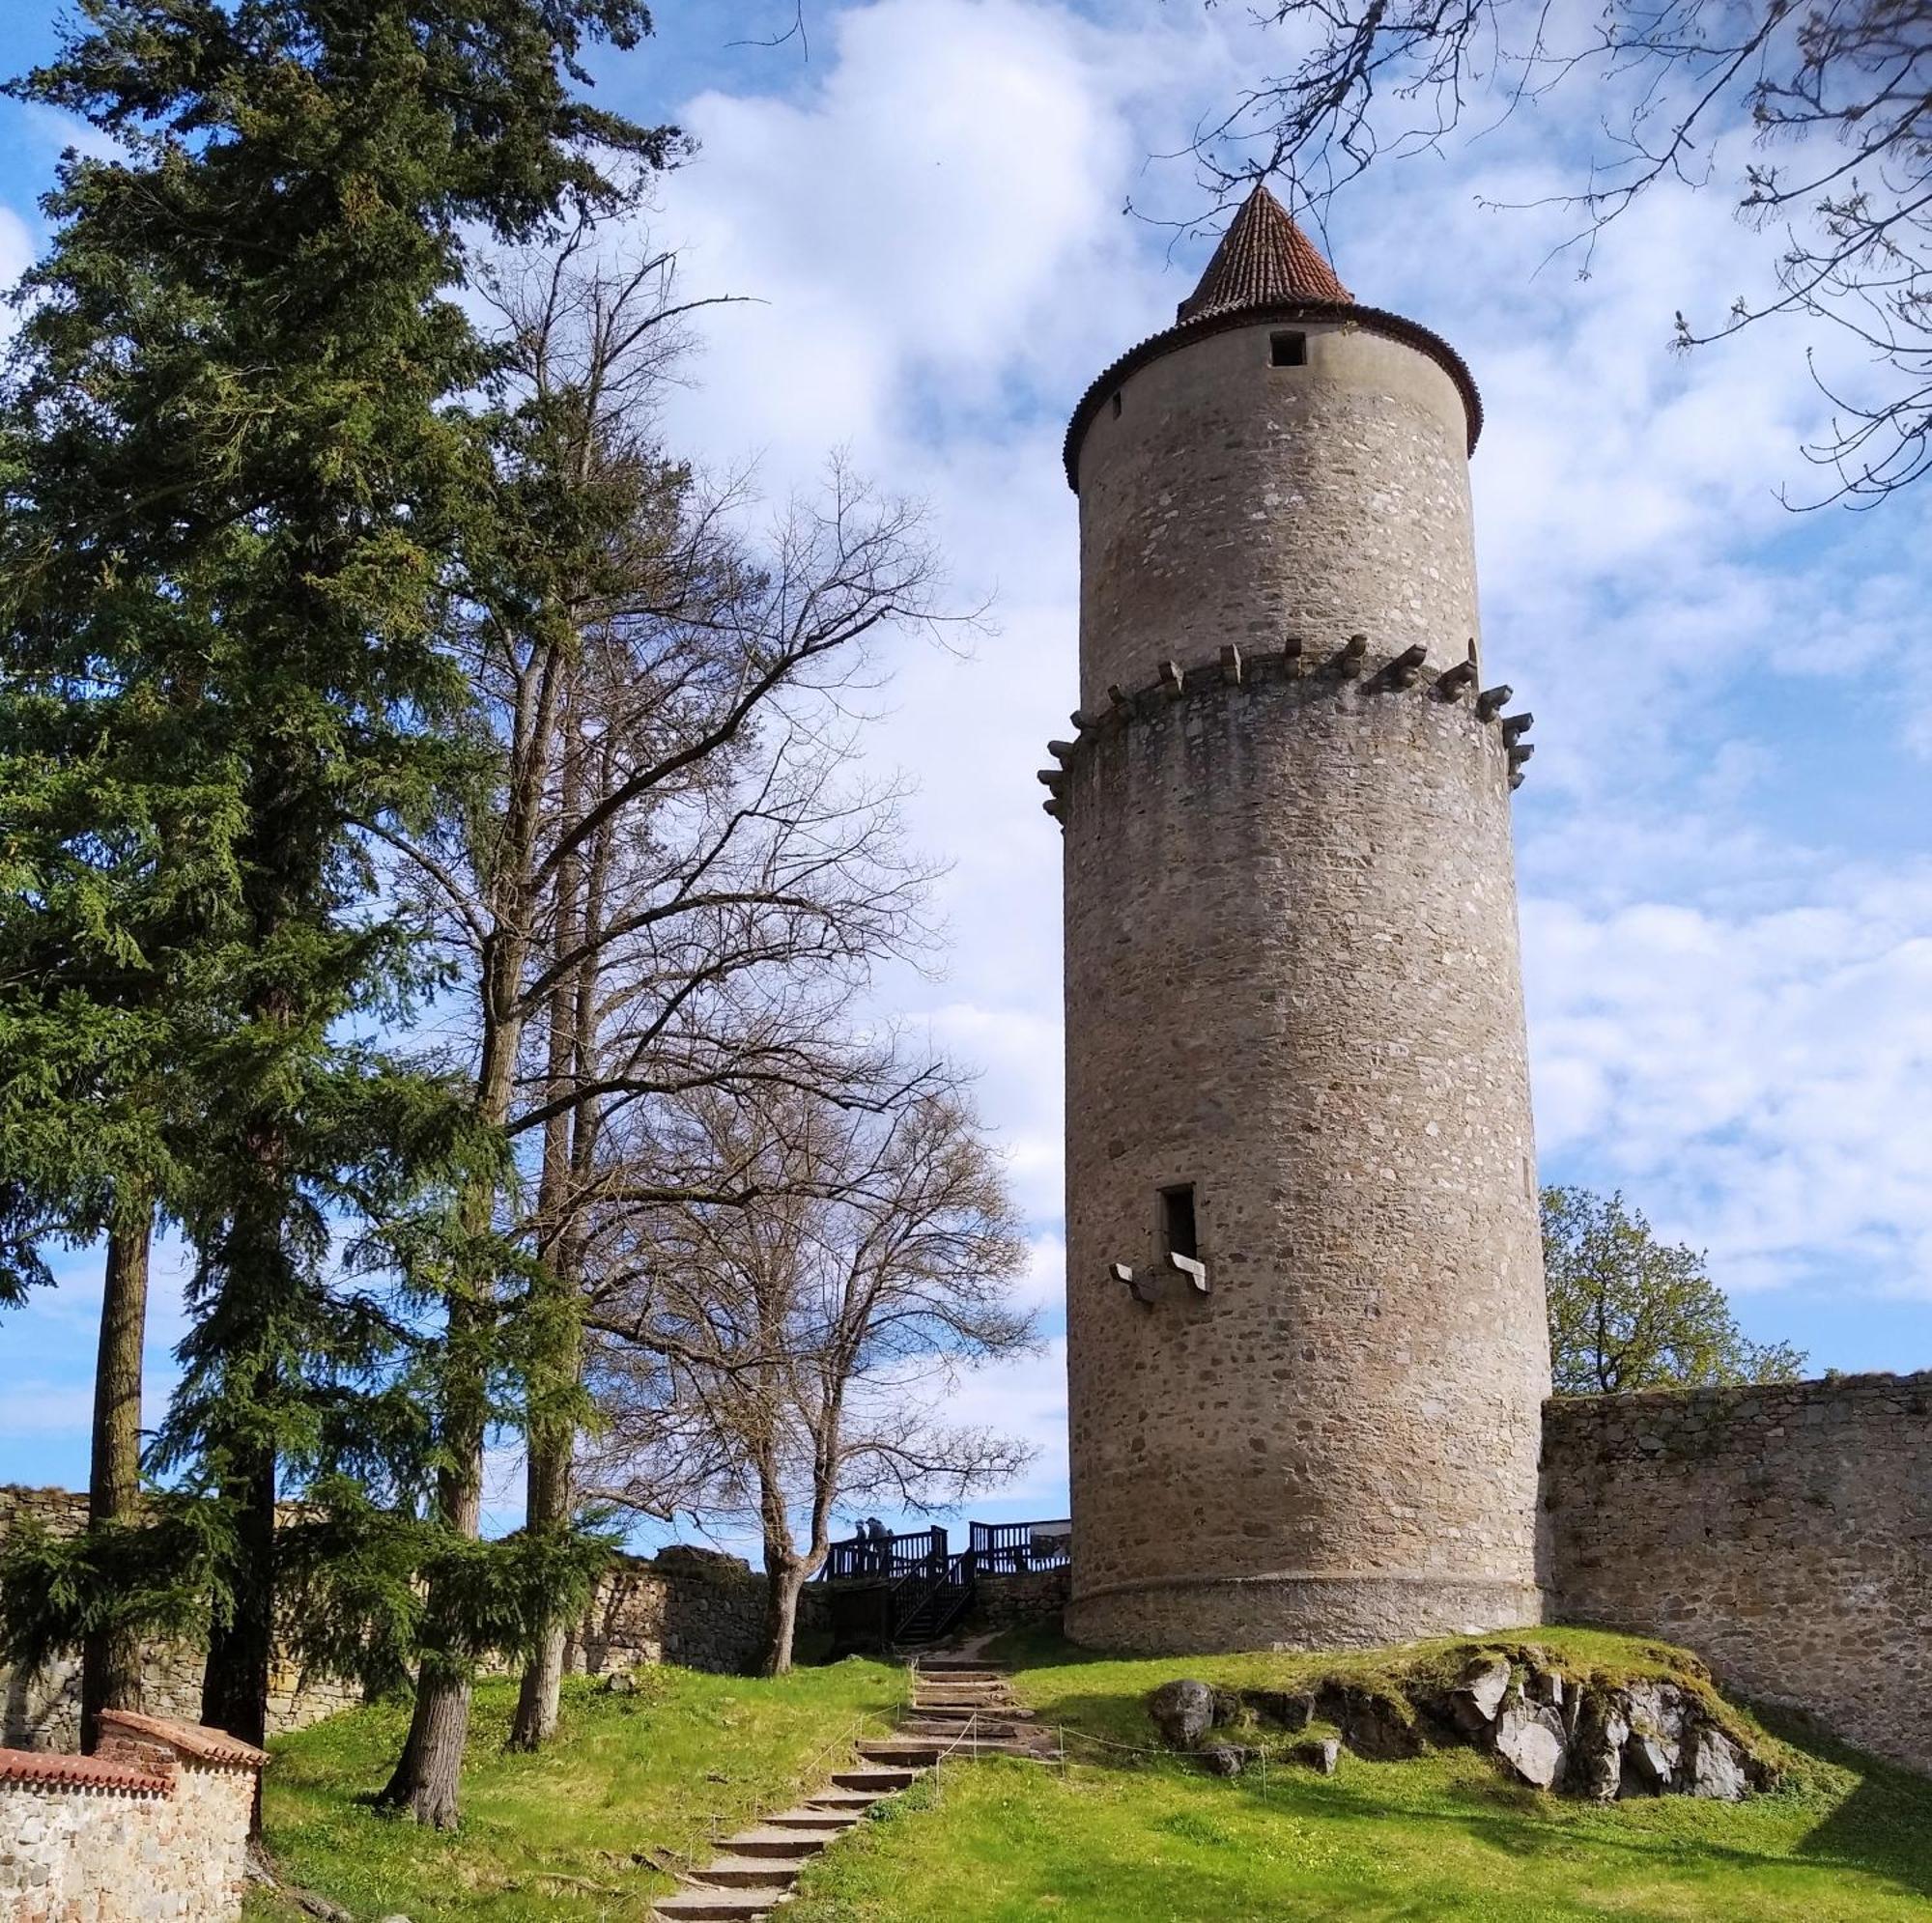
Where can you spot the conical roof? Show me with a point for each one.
(1265, 260)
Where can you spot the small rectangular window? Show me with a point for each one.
(1116, 406)
(1176, 1221)
(1288, 350)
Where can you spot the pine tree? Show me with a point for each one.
(242, 502)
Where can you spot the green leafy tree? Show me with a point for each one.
(1629, 1312)
(242, 502)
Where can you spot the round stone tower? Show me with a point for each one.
(1306, 1346)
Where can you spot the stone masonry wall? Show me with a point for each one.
(154, 1827)
(1293, 981)
(1232, 500)
(694, 1608)
(1006, 1601)
(689, 1606)
(1783, 1533)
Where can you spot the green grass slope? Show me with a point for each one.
(589, 1829)
(593, 1829)
(1125, 1834)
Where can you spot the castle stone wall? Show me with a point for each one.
(1232, 500)
(1783, 1533)
(40, 1709)
(694, 1607)
(1292, 980)
(690, 1606)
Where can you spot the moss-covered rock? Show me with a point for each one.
(1652, 1724)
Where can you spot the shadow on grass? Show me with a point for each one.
(1883, 1825)
(1880, 1826)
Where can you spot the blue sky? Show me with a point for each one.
(1723, 854)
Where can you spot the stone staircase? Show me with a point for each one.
(958, 1709)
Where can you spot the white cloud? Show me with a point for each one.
(1024, 1398)
(941, 283)
(1755, 1079)
(17, 256)
(1727, 883)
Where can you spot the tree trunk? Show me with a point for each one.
(548, 1508)
(551, 1428)
(240, 1651)
(110, 1660)
(785, 1580)
(430, 1769)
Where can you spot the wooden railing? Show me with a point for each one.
(1018, 1549)
(885, 1559)
(993, 1548)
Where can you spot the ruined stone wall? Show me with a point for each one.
(1232, 500)
(689, 1606)
(1783, 1533)
(155, 1826)
(1293, 981)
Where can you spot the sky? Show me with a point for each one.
(1725, 864)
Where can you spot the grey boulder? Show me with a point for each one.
(1479, 1695)
(1531, 1742)
(1182, 1711)
(1713, 1766)
(1321, 1753)
(1596, 1753)
(1225, 1759)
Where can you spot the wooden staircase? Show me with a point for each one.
(959, 1709)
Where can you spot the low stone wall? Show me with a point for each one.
(1006, 1601)
(696, 1607)
(1783, 1533)
(153, 1825)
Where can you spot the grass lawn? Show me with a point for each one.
(579, 1832)
(1124, 1836)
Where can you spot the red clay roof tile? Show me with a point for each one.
(1265, 260)
(196, 1739)
(44, 1769)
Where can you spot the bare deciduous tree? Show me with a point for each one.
(674, 876)
(765, 1359)
(1837, 94)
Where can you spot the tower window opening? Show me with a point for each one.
(1116, 406)
(1176, 1221)
(1288, 350)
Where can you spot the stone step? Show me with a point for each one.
(901, 1752)
(747, 1873)
(859, 1801)
(1034, 1743)
(784, 1845)
(968, 1711)
(882, 1781)
(957, 1672)
(826, 1821)
(953, 1736)
(717, 1905)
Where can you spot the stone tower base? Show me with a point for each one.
(1212, 1616)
